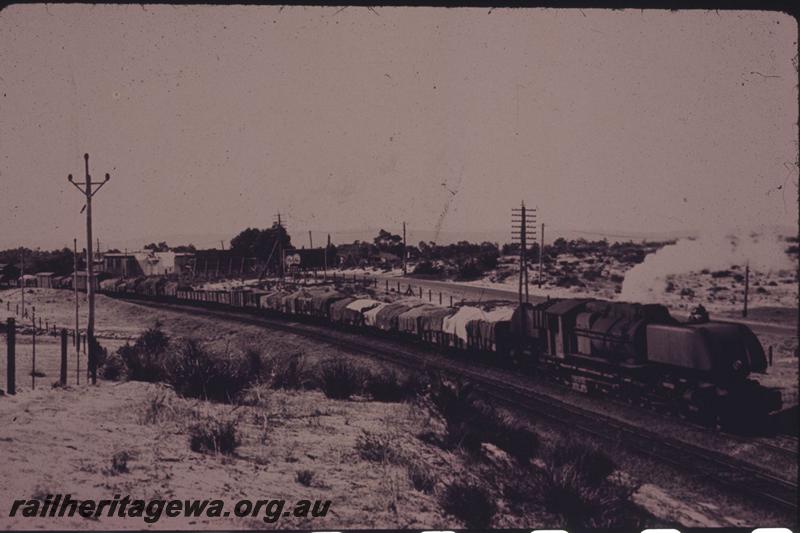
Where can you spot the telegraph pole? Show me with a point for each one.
(746, 287)
(22, 277)
(541, 254)
(405, 268)
(87, 191)
(310, 242)
(522, 217)
(75, 285)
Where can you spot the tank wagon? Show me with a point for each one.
(638, 352)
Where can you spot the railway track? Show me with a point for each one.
(701, 463)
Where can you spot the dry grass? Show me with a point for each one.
(211, 435)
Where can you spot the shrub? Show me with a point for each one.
(590, 463)
(387, 386)
(196, 372)
(463, 414)
(421, 476)
(579, 504)
(289, 372)
(119, 462)
(340, 379)
(469, 421)
(212, 435)
(144, 359)
(377, 447)
(470, 503)
(514, 437)
(113, 367)
(304, 477)
(427, 268)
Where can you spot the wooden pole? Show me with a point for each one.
(405, 269)
(78, 358)
(746, 287)
(64, 356)
(33, 356)
(11, 335)
(541, 254)
(75, 284)
(22, 278)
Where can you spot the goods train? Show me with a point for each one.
(638, 352)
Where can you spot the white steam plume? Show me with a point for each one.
(646, 281)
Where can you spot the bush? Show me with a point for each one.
(582, 505)
(469, 503)
(469, 421)
(387, 386)
(590, 463)
(211, 435)
(377, 448)
(427, 268)
(196, 372)
(421, 477)
(144, 359)
(113, 367)
(514, 437)
(340, 379)
(304, 477)
(289, 373)
(463, 413)
(119, 462)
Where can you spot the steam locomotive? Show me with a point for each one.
(637, 352)
(641, 353)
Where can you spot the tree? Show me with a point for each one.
(388, 242)
(160, 247)
(261, 243)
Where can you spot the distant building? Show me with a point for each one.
(44, 280)
(147, 263)
(81, 281)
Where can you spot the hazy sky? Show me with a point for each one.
(211, 119)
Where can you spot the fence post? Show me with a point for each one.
(420, 292)
(77, 357)
(387, 286)
(770, 355)
(398, 287)
(63, 356)
(11, 361)
(33, 356)
(440, 297)
(451, 300)
(430, 295)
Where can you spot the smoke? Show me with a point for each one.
(765, 253)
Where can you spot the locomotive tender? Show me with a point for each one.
(638, 352)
